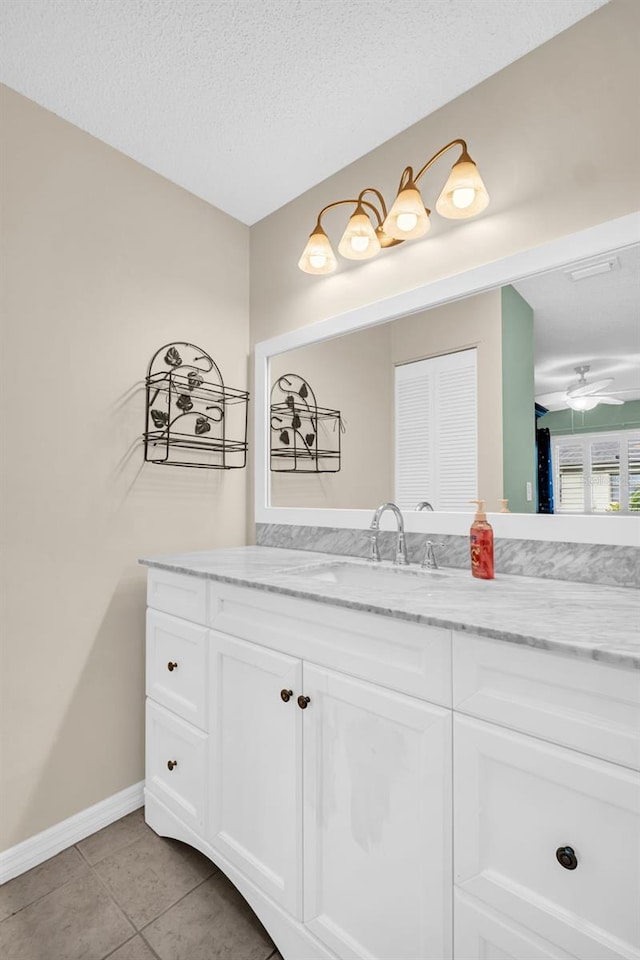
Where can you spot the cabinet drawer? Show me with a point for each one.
(172, 742)
(178, 594)
(481, 932)
(407, 657)
(582, 704)
(177, 655)
(517, 801)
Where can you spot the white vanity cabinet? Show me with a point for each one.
(388, 790)
(324, 795)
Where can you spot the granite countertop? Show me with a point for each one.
(584, 620)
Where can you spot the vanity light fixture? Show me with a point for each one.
(371, 227)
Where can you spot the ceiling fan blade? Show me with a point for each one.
(588, 388)
(547, 398)
(611, 400)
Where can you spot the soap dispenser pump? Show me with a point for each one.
(481, 544)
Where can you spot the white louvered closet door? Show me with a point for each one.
(414, 441)
(436, 431)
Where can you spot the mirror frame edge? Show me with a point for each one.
(573, 528)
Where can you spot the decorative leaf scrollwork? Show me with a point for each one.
(284, 437)
(202, 426)
(172, 357)
(160, 418)
(304, 393)
(296, 422)
(194, 380)
(289, 402)
(184, 402)
(218, 413)
(310, 437)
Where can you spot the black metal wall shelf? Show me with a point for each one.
(192, 419)
(305, 438)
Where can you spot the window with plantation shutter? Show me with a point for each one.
(436, 432)
(597, 472)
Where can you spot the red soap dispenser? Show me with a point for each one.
(481, 542)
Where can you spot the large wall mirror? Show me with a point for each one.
(526, 391)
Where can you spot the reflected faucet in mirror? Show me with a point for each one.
(424, 505)
(401, 557)
(429, 561)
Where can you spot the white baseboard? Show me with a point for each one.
(42, 846)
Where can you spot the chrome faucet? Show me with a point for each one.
(374, 530)
(429, 561)
(424, 505)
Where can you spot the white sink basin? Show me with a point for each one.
(371, 577)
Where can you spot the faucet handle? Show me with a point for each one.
(401, 550)
(374, 553)
(429, 561)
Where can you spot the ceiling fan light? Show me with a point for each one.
(583, 403)
(464, 194)
(318, 256)
(359, 240)
(408, 218)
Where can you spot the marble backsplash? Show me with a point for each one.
(581, 562)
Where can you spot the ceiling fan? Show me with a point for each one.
(585, 396)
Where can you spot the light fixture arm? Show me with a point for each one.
(383, 205)
(357, 201)
(463, 156)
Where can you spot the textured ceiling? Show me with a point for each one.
(249, 103)
(595, 321)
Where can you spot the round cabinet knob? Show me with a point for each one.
(566, 857)
(303, 702)
(171, 764)
(172, 665)
(286, 695)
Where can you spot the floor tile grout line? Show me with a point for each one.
(144, 940)
(119, 947)
(108, 892)
(111, 852)
(32, 903)
(171, 906)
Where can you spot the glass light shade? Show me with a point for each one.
(318, 256)
(464, 194)
(359, 240)
(407, 218)
(582, 403)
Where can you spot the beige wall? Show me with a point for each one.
(104, 262)
(355, 373)
(552, 135)
(352, 374)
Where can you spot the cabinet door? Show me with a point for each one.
(256, 765)
(377, 833)
(519, 804)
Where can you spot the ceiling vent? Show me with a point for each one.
(593, 269)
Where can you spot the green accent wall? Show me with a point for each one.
(602, 417)
(518, 403)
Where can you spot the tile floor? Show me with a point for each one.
(127, 894)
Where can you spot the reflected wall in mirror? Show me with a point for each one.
(529, 392)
